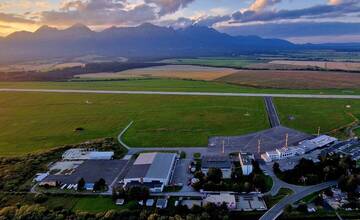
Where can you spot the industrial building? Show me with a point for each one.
(90, 170)
(221, 162)
(153, 170)
(246, 162)
(87, 154)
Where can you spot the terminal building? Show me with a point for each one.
(303, 147)
(152, 170)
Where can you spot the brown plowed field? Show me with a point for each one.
(294, 79)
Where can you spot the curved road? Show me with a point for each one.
(185, 93)
(277, 209)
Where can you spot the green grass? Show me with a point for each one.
(309, 114)
(215, 62)
(357, 132)
(171, 85)
(35, 121)
(95, 204)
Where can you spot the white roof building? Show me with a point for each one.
(318, 142)
(87, 154)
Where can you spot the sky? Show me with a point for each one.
(302, 21)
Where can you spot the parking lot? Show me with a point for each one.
(182, 175)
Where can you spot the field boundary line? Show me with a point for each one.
(122, 133)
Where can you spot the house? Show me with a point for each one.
(120, 202)
(161, 203)
(150, 202)
(152, 170)
(221, 198)
(217, 161)
(246, 160)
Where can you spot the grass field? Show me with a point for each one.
(168, 71)
(34, 121)
(95, 204)
(311, 113)
(215, 62)
(294, 79)
(168, 85)
(357, 132)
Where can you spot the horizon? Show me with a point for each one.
(319, 21)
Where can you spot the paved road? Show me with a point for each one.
(277, 209)
(278, 183)
(271, 111)
(185, 93)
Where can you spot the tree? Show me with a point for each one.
(302, 207)
(100, 185)
(276, 167)
(81, 184)
(138, 193)
(259, 182)
(215, 175)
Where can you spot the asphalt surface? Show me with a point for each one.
(185, 93)
(277, 209)
(271, 111)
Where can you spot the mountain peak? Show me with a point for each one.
(147, 25)
(79, 26)
(45, 28)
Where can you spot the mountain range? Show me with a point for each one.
(143, 41)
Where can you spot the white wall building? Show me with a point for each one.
(246, 163)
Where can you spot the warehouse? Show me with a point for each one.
(153, 170)
(90, 170)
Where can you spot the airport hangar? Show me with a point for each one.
(153, 170)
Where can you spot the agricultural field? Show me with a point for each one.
(294, 79)
(169, 85)
(32, 122)
(347, 66)
(168, 71)
(215, 62)
(308, 114)
(39, 66)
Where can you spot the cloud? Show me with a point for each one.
(13, 18)
(99, 12)
(211, 20)
(319, 11)
(259, 5)
(295, 29)
(169, 6)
